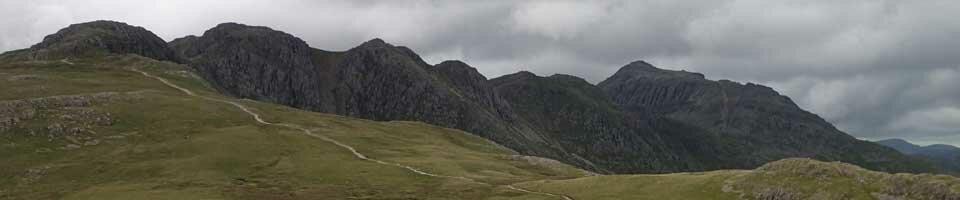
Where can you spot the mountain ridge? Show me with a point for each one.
(101, 36)
(946, 156)
(641, 120)
(163, 134)
(754, 123)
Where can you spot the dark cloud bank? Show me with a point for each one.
(877, 69)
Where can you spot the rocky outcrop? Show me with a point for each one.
(810, 179)
(254, 62)
(84, 39)
(754, 123)
(374, 80)
(590, 127)
(642, 119)
(68, 119)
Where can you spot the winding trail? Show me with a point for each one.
(65, 61)
(564, 197)
(356, 153)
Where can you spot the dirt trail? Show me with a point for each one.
(65, 61)
(356, 153)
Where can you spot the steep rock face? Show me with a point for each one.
(641, 120)
(374, 80)
(591, 127)
(224, 56)
(472, 85)
(379, 81)
(101, 36)
(755, 124)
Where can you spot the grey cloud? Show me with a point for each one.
(877, 69)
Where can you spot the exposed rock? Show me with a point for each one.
(753, 123)
(68, 118)
(375, 81)
(93, 142)
(89, 38)
(578, 115)
(34, 174)
(811, 179)
(642, 119)
(921, 186)
(777, 193)
(23, 77)
(254, 62)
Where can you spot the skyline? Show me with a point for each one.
(876, 69)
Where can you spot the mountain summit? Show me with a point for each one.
(89, 38)
(751, 124)
(110, 123)
(641, 119)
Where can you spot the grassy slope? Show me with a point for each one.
(786, 179)
(681, 186)
(163, 144)
(175, 146)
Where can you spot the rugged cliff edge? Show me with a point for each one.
(374, 80)
(581, 117)
(754, 123)
(642, 119)
(95, 37)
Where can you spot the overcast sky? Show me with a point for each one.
(877, 69)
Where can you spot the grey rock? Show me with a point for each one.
(642, 119)
(753, 123)
(89, 38)
(586, 123)
(23, 77)
(374, 80)
(68, 118)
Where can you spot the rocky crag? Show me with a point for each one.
(642, 119)
(375, 81)
(85, 39)
(751, 124)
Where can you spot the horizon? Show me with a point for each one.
(878, 70)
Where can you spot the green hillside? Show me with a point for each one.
(788, 179)
(128, 127)
(97, 129)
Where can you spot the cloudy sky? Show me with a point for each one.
(876, 68)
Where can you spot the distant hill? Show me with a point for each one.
(946, 156)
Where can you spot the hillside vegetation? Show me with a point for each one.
(97, 128)
(103, 110)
